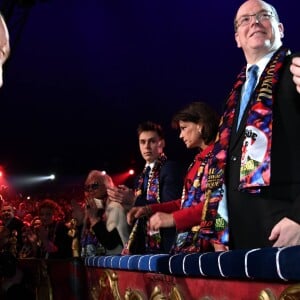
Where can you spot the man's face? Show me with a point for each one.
(46, 216)
(7, 212)
(4, 46)
(260, 34)
(151, 145)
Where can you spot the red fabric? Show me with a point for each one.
(183, 218)
(190, 216)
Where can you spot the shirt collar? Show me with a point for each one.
(261, 63)
(151, 165)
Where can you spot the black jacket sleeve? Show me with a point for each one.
(109, 239)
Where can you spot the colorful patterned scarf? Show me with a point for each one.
(142, 240)
(193, 193)
(152, 195)
(260, 119)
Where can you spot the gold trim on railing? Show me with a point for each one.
(134, 295)
(175, 294)
(157, 294)
(266, 294)
(113, 283)
(291, 293)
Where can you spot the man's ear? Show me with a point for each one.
(162, 143)
(237, 39)
(281, 30)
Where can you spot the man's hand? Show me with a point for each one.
(121, 194)
(135, 213)
(161, 220)
(286, 233)
(295, 69)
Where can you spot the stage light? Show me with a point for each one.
(131, 172)
(29, 180)
(103, 172)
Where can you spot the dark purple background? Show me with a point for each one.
(83, 74)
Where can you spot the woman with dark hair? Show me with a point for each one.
(198, 124)
(52, 232)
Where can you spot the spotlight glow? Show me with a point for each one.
(28, 180)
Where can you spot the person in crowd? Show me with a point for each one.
(160, 181)
(31, 244)
(106, 218)
(12, 278)
(198, 124)
(14, 225)
(27, 219)
(52, 234)
(4, 238)
(255, 166)
(21, 211)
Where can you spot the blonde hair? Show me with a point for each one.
(99, 177)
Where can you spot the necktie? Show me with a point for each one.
(252, 78)
(146, 178)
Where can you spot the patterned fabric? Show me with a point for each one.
(90, 246)
(260, 118)
(140, 233)
(193, 189)
(153, 182)
(256, 151)
(194, 193)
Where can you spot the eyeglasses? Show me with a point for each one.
(91, 187)
(261, 16)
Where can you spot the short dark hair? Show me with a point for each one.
(150, 126)
(199, 112)
(48, 203)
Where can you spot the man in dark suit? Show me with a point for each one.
(13, 224)
(160, 181)
(262, 164)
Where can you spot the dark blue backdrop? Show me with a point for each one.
(83, 73)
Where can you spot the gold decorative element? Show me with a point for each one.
(73, 233)
(175, 294)
(157, 294)
(113, 283)
(266, 294)
(291, 293)
(94, 293)
(134, 295)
